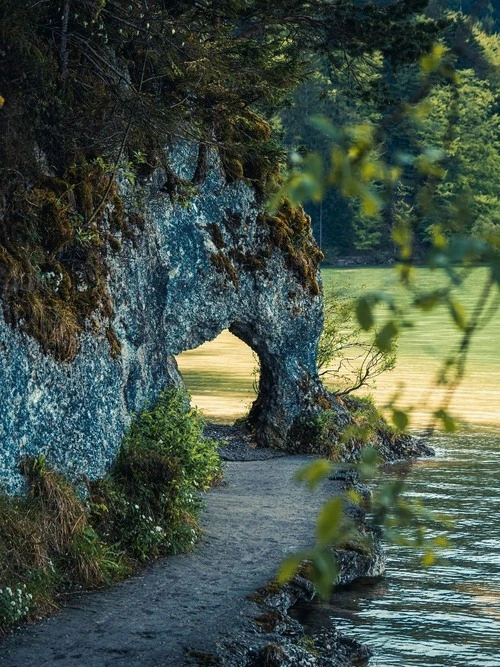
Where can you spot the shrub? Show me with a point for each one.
(319, 433)
(348, 359)
(52, 540)
(148, 505)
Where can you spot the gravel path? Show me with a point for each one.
(238, 444)
(251, 523)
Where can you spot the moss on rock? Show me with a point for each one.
(290, 230)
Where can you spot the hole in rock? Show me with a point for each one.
(222, 376)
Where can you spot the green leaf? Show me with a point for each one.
(314, 167)
(324, 572)
(329, 523)
(429, 558)
(364, 313)
(289, 567)
(325, 126)
(354, 496)
(274, 202)
(495, 270)
(304, 186)
(439, 240)
(370, 456)
(370, 203)
(449, 423)
(384, 340)
(367, 466)
(458, 314)
(402, 235)
(429, 300)
(441, 542)
(400, 419)
(463, 248)
(314, 473)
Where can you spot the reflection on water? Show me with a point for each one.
(220, 376)
(449, 614)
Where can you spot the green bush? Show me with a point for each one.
(324, 433)
(320, 433)
(147, 506)
(175, 431)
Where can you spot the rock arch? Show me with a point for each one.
(213, 263)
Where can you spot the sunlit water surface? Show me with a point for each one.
(449, 614)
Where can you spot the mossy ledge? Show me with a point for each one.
(59, 537)
(290, 230)
(56, 236)
(342, 437)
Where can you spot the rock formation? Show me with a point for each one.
(198, 264)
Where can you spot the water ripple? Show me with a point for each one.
(447, 615)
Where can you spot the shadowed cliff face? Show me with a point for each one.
(193, 270)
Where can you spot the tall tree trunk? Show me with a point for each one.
(63, 48)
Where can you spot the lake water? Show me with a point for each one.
(449, 614)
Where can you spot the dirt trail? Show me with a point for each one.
(187, 601)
